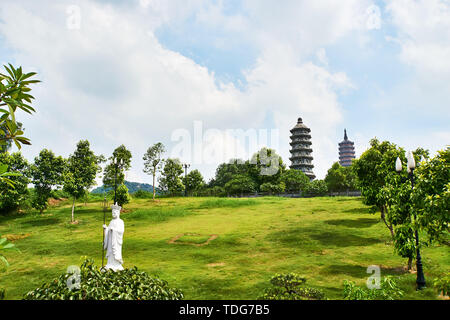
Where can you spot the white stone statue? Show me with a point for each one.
(114, 239)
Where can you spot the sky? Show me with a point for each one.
(215, 80)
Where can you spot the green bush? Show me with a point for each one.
(290, 287)
(122, 195)
(142, 194)
(316, 188)
(442, 284)
(388, 291)
(129, 284)
(2, 294)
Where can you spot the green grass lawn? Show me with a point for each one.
(217, 248)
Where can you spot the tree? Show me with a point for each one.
(153, 161)
(14, 88)
(122, 196)
(374, 168)
(316, 188)
(340, 178)
(272, 188)
(14, 94)
(170, 181)
(240, 184)
(81, 170)
(46, 172)
(294, 180)
(390, 192)
(114, 172)
(266, 166)
(10, 198)
(431, 197)
(193, 181)
(226, 171)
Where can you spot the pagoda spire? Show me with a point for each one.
(345, 135)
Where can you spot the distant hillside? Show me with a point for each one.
(132, 187)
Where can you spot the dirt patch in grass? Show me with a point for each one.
(54, 202)
(15, 237)
(216, 264)
(175, 239)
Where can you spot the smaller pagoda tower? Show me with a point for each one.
(301, 151)
(346, 151)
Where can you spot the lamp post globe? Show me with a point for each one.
(398, 165)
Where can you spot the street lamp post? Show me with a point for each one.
(411, 165)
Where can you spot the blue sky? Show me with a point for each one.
(135, 72)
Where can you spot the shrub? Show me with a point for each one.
(290, 287)
(2, 294)
(122, 195)
(142, 194)
(316, 188)
(128, 284)
(388, 291)
(443, 284)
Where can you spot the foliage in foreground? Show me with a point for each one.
(290, 287)
(442, 284)
(388, 291)
(129, 284)
(6, 246)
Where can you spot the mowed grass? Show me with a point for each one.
(326, 239)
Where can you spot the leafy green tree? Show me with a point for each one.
(294, 180)
(266, 166)
(193, 181)
(431, 196)
(375, 169)
(272, 188)
(240, 184)
(170, 180)
(316, 188)
(389, 191)
(11, 198)
(153, 162)
(114, 171)
(82, 168)
(122, 195)
(340, 178)
(226, 171)
(14, 94)
(46, 172)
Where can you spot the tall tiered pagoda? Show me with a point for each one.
(346, 151)
(301, 151)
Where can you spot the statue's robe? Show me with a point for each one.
(113, 244)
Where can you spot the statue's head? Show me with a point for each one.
(116, 210)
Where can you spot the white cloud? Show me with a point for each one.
(111, 81)
(424, 34)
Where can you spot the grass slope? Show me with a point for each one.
(325, 239)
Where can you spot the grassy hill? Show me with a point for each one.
(132, 188)
(218, 248)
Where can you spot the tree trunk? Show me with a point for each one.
(383, 217)
(410, 259)
(73, 207)
(154, 185)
